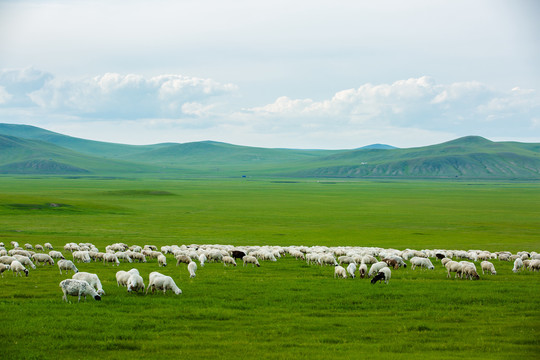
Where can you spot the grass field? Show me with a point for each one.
(281, 310)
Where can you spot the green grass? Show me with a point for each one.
(281, 310)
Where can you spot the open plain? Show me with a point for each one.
(284, 309)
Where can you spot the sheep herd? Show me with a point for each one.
(381, 262)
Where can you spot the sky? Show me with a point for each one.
(311, 74)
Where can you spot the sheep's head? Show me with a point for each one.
(97, 297)
(377, 277)
(26, 271)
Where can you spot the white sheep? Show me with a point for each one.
(162, 260)
(351, 269)
(192, 267)
(122, 277)
(518, 265)
(453, 266)
(77, 288)
(489, 267)
(422, 262)
(43, 258)
(3, 267)
(470, 272)
(248, 259)
(91, 279)
(7, 260)
(384, 274)
(135, 282)
(56, 254)
(374, 269)
(25, 261)
(66, 265)
(327, 259)
(228, 260)
(162, 282)
(17, 268)
(81, 256)
(202, 259)
(363, 270)
(109, 257)
(339, 271)
(48, 246)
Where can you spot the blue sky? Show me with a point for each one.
(296, 74)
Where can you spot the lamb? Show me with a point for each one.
(339, 271)
(487, 266)
(162, 260)
(91, 279)
(77, 288)
(248, 259)
(17, 268)
(518, 265)
(162, 282)
(66, 265)
(229, 260)
(3, 267)
(192, 267)
(384, 274)
(374, 269)
(43, 258)
(422, 262)
(363, 270)
(351, 269)
(135, 282)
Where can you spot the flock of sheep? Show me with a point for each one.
(347, 262)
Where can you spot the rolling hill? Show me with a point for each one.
(31, 150)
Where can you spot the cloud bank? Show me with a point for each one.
(410, 112)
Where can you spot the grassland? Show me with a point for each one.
(281, 310)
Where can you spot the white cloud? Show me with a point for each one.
(112, 95)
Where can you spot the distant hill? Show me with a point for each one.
(31, 150)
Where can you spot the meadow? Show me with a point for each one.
(282, 310)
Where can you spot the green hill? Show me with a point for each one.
(31, 150)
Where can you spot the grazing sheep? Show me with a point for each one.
(202, 259)
(248, 259)
(162, 260)
(363, 270)
(192, 267)
(384, 274)
(327, 259)
(48, 246)
(137, 256)
(470, 272)
(122, 277)
(345, 260)
(453, 266)
(518, 265)
(422, 262)
(121, 255)
(445, 260)
(66, 265)
(109, 257)
(56, 255)
(39, 247)
(351, 269)
(534, 265)
(339, 271)
(91, 279)
(81, 256)
(77, 288)
(238, 254)
(392, 263)
(182, 259)
(28, 246)
(17, 268)
(374, 269)
(162, 282)
(135, 283)
(369, 260)
(25, 261)
(3, 267)
(229, 260)
(43, 258)
(487, 266)
(7, 259)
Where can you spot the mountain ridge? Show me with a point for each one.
(26, 149)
